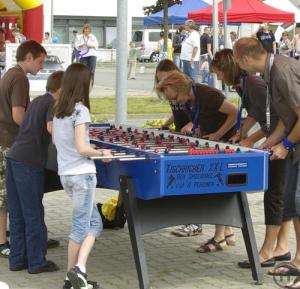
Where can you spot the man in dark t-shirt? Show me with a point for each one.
(14, 100)
(25, 163)
(204, 71)
(266, 38)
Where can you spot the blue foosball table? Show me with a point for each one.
(167, 179)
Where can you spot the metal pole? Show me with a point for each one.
(215, 33)
(121, 66)
(52, 19)
(225, 35)
(225, 24)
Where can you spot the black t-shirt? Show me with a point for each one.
(266, 39)
(203, 43)
(33, 139)
(210, 119)
(177, 42)
(181, 118)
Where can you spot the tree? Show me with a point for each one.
(162, 5)
(148, 10)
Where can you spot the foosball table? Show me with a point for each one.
(166, 179)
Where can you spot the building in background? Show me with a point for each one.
(102, 15)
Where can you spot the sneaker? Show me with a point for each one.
(90, 285)
(77, 278)
(50, 266)
(188, 230)
(5, 250)
(19, 267)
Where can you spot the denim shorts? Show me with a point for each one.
(292, 188)
(86, 219)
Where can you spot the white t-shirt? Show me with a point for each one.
(70, 162)
(188, 44)
(86, 40)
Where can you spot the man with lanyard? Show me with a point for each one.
(282, 75)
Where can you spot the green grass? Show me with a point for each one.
(135, 105)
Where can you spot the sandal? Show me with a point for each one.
(291, 270)
(291, 286)
(212, 246)
(4, 250)
(230, 239)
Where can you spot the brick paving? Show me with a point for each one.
(172, 261)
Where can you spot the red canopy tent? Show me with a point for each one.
(244, 11)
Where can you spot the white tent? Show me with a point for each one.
(285, 5)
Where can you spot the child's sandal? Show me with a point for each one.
(212, 246)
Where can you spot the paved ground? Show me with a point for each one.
(172, 261)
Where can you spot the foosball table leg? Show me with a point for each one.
(249, 238)
(134, 226)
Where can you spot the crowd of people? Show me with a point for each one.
(267, 82)
(269, 89)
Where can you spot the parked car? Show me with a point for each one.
(146, 44)
(52, 63)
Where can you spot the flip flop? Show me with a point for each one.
(292, 270)
(294, 282)
(267, 263)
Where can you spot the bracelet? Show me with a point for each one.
(287, 144)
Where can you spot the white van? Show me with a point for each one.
(146, 44)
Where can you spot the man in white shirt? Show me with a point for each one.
(190, 51)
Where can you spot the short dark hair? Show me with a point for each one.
(30, 46)
(165, 65)
(248, 46)
(54, 81)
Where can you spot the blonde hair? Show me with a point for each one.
(86, 26)
(175, 80)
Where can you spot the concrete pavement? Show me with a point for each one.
(172, 261)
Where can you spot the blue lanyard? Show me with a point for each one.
(197, 111)
(244, 93)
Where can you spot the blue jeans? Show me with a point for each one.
(190, 71)
(91, 62)
(86, 219)
(28, 232)
(176, 59)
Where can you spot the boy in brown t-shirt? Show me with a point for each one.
(14, 100)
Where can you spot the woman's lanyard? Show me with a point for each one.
(268, 99)
(85, 50)
(197, 111)
(244, 93)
